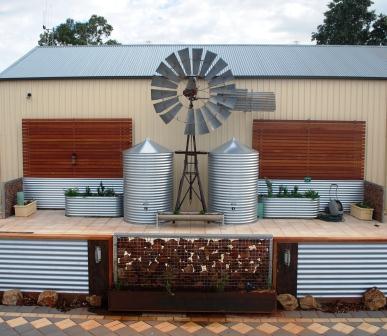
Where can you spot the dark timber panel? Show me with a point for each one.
(287, 272)
(99, 269)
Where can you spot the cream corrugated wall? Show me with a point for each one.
(113, 98)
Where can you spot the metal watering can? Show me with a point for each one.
(335, 207)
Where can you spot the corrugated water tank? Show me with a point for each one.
(148, 182)
(232, 182)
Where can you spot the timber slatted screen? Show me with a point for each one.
(319, 149)
(49, 144)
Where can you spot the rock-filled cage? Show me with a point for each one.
(213, 263)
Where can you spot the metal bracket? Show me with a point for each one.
(97, 254)
(287, 258)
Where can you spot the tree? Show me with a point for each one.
(95, 31)
(378, 35)
(350, 22)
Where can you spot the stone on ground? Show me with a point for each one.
(13, 297)
(94, 300)
(288, 301)
(48, 298)
(374, 299)
(309, 302)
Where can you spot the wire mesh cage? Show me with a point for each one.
(182, 262)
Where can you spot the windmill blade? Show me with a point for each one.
(196, 59)
(168, 116)
(218, 67)
(163, 82)
(211, 118)
(184, 57)
(256, 101)
(175, 65)
(167, 72)
(225, 101)
(200, 123)
(208, 59)
(163, 105)
(190, 123)
(226, 89)
(222, 79)
(161, 94)
(223, 111)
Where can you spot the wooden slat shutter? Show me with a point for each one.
(319, 149)
(47, 148)
(97, 143)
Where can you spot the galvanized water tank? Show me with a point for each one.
(148, 182)
(232, 182)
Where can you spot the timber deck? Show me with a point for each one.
(55, 223)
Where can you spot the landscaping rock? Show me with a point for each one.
(309, 302)
(48, 298)
(12, 297)
(374, 299)
(94, 300)
(288, 301)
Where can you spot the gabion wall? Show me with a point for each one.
(210, 263)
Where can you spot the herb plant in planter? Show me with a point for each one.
(362, 210)
(26, 209)
(104, 203)
(290, 204)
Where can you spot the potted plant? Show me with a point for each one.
(362, 210)
(103, 203)
(290, 204)
(26, 209)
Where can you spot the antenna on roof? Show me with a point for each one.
(49, 33)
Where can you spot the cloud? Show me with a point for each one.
(166, 21)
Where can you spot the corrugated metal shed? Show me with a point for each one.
(259, 61)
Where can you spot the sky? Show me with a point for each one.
(166, 21)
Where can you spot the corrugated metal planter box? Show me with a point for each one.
(25, 210)
(284, 207)
(94, 206)
(361, 213)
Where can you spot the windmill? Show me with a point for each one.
(198, 90)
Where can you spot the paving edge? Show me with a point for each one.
(180, 318)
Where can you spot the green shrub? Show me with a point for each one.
(88, 191)
(295, 193)
(109, 192)
(72, 192)
(364, 205)
(102, 191)
(311, 194)
(269, 186)
(283, 192)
